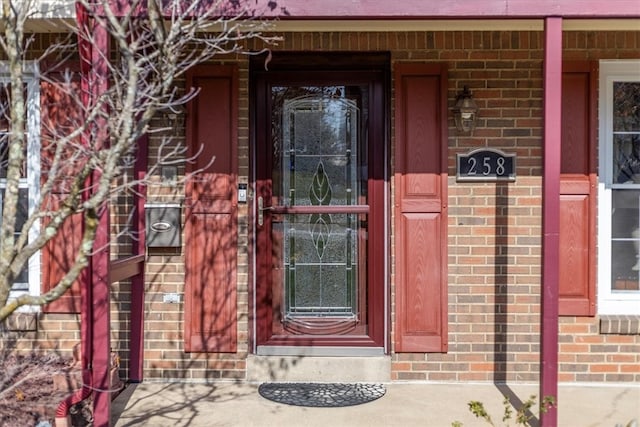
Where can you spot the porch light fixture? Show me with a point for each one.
(465, 111)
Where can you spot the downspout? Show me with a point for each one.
(551, 217)
(86, 294)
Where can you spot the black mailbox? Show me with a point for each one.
(163, 225)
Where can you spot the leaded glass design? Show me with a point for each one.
(317, 158)
(320, 195)
(314, 285)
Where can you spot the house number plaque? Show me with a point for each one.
(486, 164)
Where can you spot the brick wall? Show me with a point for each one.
(164, 355)
(494, 229)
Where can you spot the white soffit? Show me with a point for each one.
(453, 25)
(50, 16)
(47, 9)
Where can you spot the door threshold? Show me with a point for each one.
(319, 351)
(307, 368)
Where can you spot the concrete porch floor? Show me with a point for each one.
(404, 404)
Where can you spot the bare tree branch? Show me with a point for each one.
(153, 44)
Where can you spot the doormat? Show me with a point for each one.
(321, 395)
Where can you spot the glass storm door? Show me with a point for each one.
(315, 212)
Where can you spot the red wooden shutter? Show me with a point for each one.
(211, 212)
(60, 112)
(421, 207)
(578, 191)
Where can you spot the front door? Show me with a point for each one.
(319, 213)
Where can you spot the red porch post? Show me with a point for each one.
(95, 310)
(86, 296)
(551, 216)
(101, 315)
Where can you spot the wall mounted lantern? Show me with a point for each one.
(465, 111)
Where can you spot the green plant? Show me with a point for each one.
(522, 415)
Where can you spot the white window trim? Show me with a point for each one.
(609, 302)
(32, 181)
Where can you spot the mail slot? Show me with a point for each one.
(163, 225)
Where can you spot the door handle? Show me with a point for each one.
(261, 209)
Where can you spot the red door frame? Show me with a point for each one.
(377, 190)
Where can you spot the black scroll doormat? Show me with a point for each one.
(321, 395)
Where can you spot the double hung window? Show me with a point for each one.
(619, 192)
(29, 182)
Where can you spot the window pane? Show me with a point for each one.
(626, 158)
(321, 270)
(626, 106)
(625, 240)
(5, 114)
(23, 209)
(319, 124)
(4, 129)
(22, 281)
